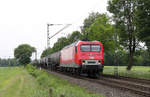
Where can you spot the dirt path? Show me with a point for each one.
(20, 86)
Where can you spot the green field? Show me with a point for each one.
(19, 82)
(137, 71)
(16, 82)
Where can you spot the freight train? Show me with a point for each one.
(79, 57)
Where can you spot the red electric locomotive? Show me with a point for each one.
(83, 57)
(79, 57)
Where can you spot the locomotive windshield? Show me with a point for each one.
(88, 48)
(95, 48)
(85, 48)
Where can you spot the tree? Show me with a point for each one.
(99, 27)
(143, 21)
(23, 53)
(76, 35)
(102, 30)
(123, 14)
(87, 23)
(142, 57)
(61, 43)
(46, 52)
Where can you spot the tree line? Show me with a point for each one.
(125, 34)
(8, 62)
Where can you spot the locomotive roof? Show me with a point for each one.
(76, 43)
(73, 44)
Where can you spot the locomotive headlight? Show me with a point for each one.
(83, 62)
(99, 62)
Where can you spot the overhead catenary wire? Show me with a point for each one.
(48, 38)
(60, 30)
(72, 23)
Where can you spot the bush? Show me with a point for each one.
(37, 73)
(43, 80)
(30, 68)
(40, 76)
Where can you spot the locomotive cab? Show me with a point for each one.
(83, 57)
(91, 58)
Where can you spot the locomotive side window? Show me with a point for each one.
(95, 48)
(75, 49)
(85, 48)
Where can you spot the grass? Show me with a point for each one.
(19, 82)
(136, 71)
(59, 86)
(16, 82)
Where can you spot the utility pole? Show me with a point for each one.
(115, 56)
(48, 36)
(35, 55)
(48, 41)
(9, 61)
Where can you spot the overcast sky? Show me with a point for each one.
(24, 21)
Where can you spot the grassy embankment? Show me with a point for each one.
(137, 71)
(17, 82)
(58, 86)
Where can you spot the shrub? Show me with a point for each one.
(40, 75)
(43, 80)
(30, 68)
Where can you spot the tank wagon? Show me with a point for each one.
(79, 57)
(53, 60)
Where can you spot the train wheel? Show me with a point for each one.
(101, 72)
(78, 72)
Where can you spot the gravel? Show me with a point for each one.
(103, 90)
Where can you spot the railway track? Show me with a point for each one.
(133, 85)
(139, 80)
